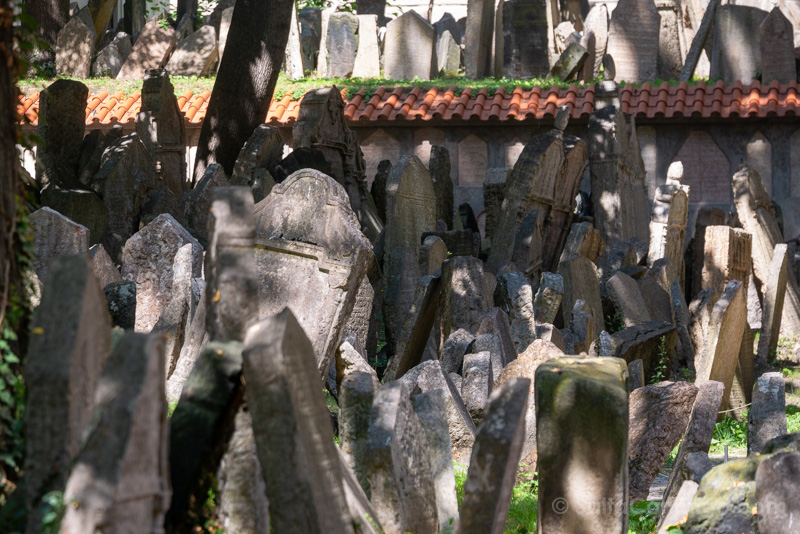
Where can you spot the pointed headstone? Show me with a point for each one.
(151, 50)
(633, 40)
(55, 235)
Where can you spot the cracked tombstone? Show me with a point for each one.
(327, 260)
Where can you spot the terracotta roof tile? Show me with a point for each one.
(396, 104)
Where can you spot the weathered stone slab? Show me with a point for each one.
(590, 429)
(104, 269)
(410, 204)
(514, 294)
(69, 345)
(195, 339)
(696, 439)
(359, 324)
(401, 274)
(120, 477)
(448, 55)
(736, 54)
(230, 270)
(596, 21)
(651, 342)
(627, 299)
(196, 55)
(75, 46)
(753, 205)
(570, 62)
(695, 56)
(109, 60)
(727, 257)
(778, 501)
(439, 168)
(290, 420)
(356, 396)
(580, 282)
(583, 239)
(776, 40)
(55, 235)
(151, 51)
(294, 60)
(680, 508)
(454, 348)
(148, 261)
(668, 224)
(633, 40)
(478, 38)
(176, 315)
(368, 55)
(263, 150)
(199, 199)
(409, 48)
(774, 294)
(527, 25)
(202, 423)
(80, 206)
(160, 125)
(62, 120)
(398, 468)
(477, 384)
(495, 459)
(767, 417)
(659, 415)
(430, 407)
(328, 261)
(463, 297)
(719, 358)
(342, 44)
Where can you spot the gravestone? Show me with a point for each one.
(291, 425)
(495, 458)
(224, 28)
(659, 415)
(767, 416)
(109, 60)
(448, 24)
(589, 43)
(448, 55)
(294, 59)
(494, 186)
(126, 177)
(668, 221)
(401, 273)
(69, 345)
(597, 22)
(514, 295)
(778, 501)
(652, 342)
(104, 269)
(696, 58)
(671, 39)
(736, 54)
(368, 55)
(457, 345)
(151, 51)
(528, 245)
(148, 259)
(196, 55)
(590, 429)
(430, 408)
(776, 39)
(706, 216)
(360, 323)
(326, 261)
(75, 46)
(548, 298)
(570, 62)
(263, 150)
(753, 206)
(463, 297)
(55, 235)
(174, 319)
(633, 40)
(409, 48)
(199, 199)
(310, 19)
(477, 382)
(120, 478)
(356, 395)
(342, 44)
(627, 300)
(230, 271)
(398, 468)
(82, 207)
(696, 438)
(583, 239)
(719, 358)
(526, 27)
(580, 282)
(774, 294)
(161, 128)
(617, 173)
(62, 121)
(478, 38)
(410, 204)
(439, 168)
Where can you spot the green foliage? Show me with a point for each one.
(792, 419)
(643, 517)
(523, 512)
(729, 432)
(660, 371)
(54, 507)
(614, 323)
(790, 372)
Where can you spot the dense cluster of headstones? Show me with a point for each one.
(239, 298)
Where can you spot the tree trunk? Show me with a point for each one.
(245, 82)
(102, 11)
(51, 16)
(187, 7)
(9, 180)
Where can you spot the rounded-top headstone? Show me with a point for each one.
(675, 172)
(562, 118)
(609, 68)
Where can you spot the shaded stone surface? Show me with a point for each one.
(477, 383)
(588, 427)
(767, 416)
(627, 299)
(398, 469)
(495, 458)
(463, 298)
(580, 282)
(199, 199)
(478, 38)
(81, 206)
(62, 121)
(55, 235)
(652, 342)
(356, 395)
(151, 50)
(514, 295)
(291, 421)
(439, 168)
(774, 294)
(455, 347)
(526, 27)
(633, 40)
(778, 500)
(75, 46)
(659, 415)
(195, 55)
(736, 54)
(120, 478)
(342, 44)
(410, 204)
(121, 303)
(104, 269)
(69, 345)
(327, 261)
(109, 60)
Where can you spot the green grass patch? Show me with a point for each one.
(730, 432)
(792, 419)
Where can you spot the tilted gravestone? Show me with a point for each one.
(292, 430)
(596, 21)
(776, 38)
(671, 39)
(409, 48)
(120, 478)
(314, 269)
(196, 55)
(75, 46)
(668, 224)
(147, 261)
(55, 235)
(591, 428)
(70, 342)
(152, 48)
(727, 256)
(736, 54)
(526, 27)
(774, 294)
(263, 150)
(160, 127)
